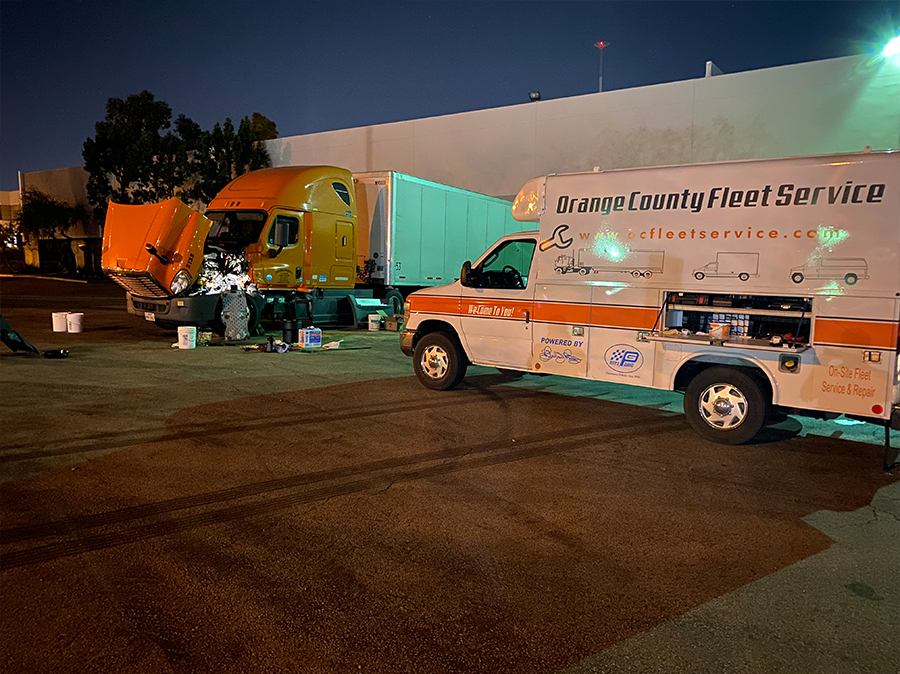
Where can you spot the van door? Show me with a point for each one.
(497, 305)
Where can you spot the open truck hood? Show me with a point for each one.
(172, 228)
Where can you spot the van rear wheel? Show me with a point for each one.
(851, 279)
(439, 361)
(726, 405)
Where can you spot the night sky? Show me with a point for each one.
(318, 66)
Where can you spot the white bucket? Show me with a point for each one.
(74, 321)
(187, 336)
(59, 321)
(374, 322)
(719, 330)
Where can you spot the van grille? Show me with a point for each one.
(142, 285)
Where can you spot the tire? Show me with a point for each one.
(559, 270)
(851, 279)
(439, 361)
(636, 273)
(394, 300)
(744, 277)
(584, 271)
(725, 405)
(797, 277)
(699, 275)
(647, 274)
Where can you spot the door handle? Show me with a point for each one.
(527, 316)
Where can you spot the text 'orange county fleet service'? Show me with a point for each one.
(748, 285)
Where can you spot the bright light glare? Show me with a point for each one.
(892, 48)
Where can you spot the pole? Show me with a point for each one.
(601, 71)
(601, 45)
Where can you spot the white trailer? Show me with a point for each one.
(415, 233)
(806, 342)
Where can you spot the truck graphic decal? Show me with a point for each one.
(847, 269)
(638, 263)
(730, 265)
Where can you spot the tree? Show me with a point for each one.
(222, 155)
(134, 158)
(130, 159)
(43, 217)
(263, 128)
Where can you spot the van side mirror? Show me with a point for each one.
(465, 273)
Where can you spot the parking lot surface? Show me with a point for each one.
(222, 510)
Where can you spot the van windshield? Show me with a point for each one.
(235, 229)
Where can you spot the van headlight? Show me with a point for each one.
(181, 282)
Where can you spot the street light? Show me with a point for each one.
(892, 48)
(601, 46)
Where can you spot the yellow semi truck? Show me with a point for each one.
(311, 242)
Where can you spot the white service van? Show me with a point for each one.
(748, 285)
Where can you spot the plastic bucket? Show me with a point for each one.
(74, 321)
(374, 322)
(719, 330)
(60, 324)
(187, 336)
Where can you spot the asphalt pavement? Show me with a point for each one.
(222, 510)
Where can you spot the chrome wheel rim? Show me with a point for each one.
(723, 406)
(434, 361)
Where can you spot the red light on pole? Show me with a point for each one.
(601, 45)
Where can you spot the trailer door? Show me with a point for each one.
(497, 305)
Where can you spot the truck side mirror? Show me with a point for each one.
(280, 236)
(464, 273)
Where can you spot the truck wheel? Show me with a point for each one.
(560, 270)
(584, 271)
(394, 300)
(439, 361)
(744, 276)
(851, 279)
(647, 274)
(699, 275)
(726, 405)
(797, 277)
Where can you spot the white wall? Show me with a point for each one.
(838, 105)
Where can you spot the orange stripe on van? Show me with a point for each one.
(434, 305)
(494, 308)
(856, 333)
(551, 312)
(623, 317)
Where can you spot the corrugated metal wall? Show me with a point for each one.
(837, 105)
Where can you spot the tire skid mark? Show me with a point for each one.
(562, 443)
(212, 429)
(70, 525)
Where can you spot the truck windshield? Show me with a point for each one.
(236, 228)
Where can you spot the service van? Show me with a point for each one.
(814, 332)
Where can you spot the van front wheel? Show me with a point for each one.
(851, 279)
(439, 361)
(726, 405)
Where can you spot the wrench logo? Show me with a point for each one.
(557, 240)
